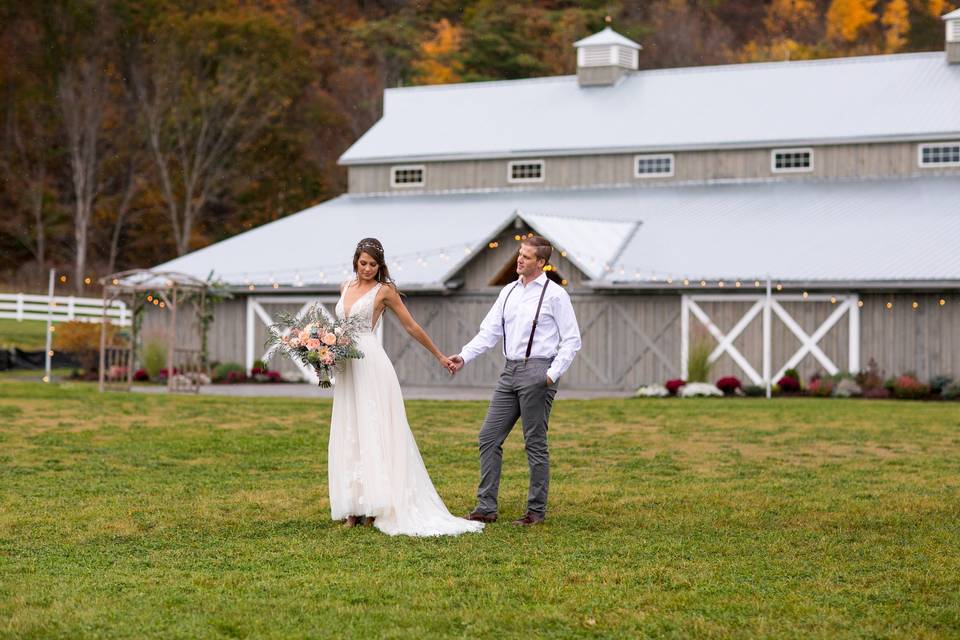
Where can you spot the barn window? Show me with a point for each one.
(407, 176)
(791, 160)
(653, 166)
(525, 171)
(939, 154)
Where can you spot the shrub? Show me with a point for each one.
(876, 393)
(871, 378)
(789, 384)
(753, 390)
(951, 392)
(847, 388)
(154, 356)
(820, 387)
(652, 391)
(674, 385)
(82, 341)
(696, 389)
(222, 370)
(909, 388)
(729, 385)
(141, 375)
(235, 377)
(939, 383)
(698, 361)
(165, 373)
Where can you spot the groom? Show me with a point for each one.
(535, 320)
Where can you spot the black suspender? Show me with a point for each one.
(536, 318)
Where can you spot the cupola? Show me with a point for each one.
(952, 21)
(605, 57)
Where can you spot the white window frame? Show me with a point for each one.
(654, 156)
(407, 167)
(773, 160)
(935, 165)
(512, 163)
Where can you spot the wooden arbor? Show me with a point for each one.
(171, 293)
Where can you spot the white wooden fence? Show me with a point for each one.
(22, 306)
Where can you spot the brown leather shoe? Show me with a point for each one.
(479, 516)
(529, 519)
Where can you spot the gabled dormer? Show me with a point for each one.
(605, 57)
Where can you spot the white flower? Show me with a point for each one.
(653, 391)
(694, 389)
(338, 331)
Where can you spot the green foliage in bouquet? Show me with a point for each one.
(315, 339)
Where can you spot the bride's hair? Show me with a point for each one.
(373, 248)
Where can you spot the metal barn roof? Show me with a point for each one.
(871, 98)
(795, 231)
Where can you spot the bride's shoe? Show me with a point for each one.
(368, 522)
(351, 521)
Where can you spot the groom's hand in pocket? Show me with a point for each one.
(549, 381)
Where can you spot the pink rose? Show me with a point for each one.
(329, 339)
(304, 335)
(295, 342)
(344, 340)
(313, 343)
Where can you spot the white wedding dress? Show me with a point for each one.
(375, 468)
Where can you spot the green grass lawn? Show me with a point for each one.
(141, 516)
(27, 334)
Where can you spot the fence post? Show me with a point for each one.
(71, 310)
(19, 307)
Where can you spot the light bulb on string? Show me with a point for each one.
(721, 284)
(737, 284)
(669, 279)
(805, 295)
(915, 305)
(942, 302)
(860, 303)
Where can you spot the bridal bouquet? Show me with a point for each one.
(314, 339)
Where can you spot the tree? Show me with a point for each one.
(82, 94)
(206, 90)
(846, 19)
(896, 22)
(439, 63)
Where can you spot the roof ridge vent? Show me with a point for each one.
(605, 57)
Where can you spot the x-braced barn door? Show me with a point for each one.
(777, 315)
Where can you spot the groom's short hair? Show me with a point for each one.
(541, 245)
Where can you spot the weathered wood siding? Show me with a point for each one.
(925, 341)
(633, 339)
(830, 161)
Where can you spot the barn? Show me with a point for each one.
(675, 199)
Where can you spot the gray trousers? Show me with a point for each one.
(521, 392)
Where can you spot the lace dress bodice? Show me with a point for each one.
(362, 309)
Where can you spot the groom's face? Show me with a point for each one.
(527, 262)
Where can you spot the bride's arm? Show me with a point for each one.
(392, 301)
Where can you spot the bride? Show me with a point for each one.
(375, 469)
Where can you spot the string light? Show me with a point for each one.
(564, 282)
(833, 300)
(52, 329)
(517, 237)
(860, 303)
(942, 302)
(756, 283)
(721, 284)
(737, 284)
(805, 295)
(889, 305)
(703, 283)
(50, 353)
(63, 278)
(563, 254)
(276, 285)
(46, 378)
(686, 282)
(916, 305)
(251, 287)
(87, 280)
(669, 279)
(493, 245)
(115, 281)
(162, 304)
(779, 287)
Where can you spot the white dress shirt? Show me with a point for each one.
(557, 337)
